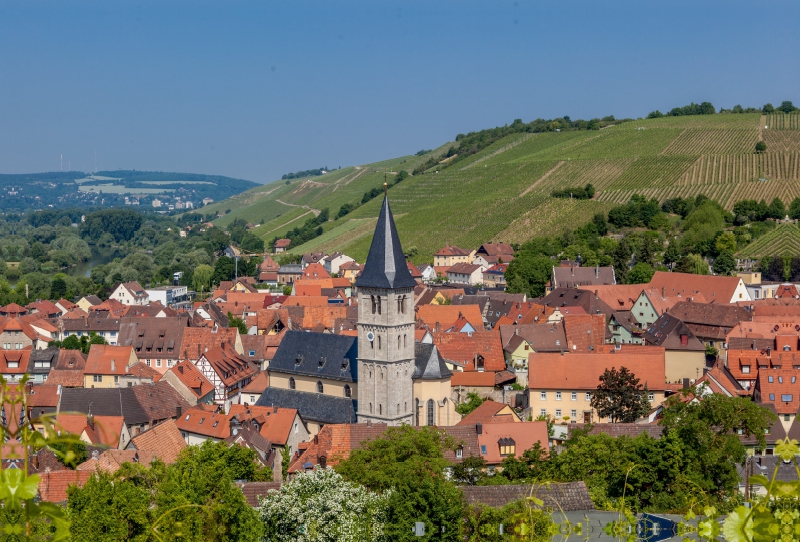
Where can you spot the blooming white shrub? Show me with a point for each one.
(320, 506)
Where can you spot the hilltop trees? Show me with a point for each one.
(409, 462)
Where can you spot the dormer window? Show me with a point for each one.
(298, 360)
(507, 446)
(746, 369)
(321, 362)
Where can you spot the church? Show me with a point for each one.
(392, 380)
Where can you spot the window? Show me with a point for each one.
(97, 378)
(459, 452)
(574, 396)
(507, 446)
(398, 408)
(558, 413)
(769, 378)
(543, 395)
(295, 428)
(379, 342)
(573, 414)
(13, 365)
(786, 417)
(252, 353)
(116, 379)
(371, 408)
(746, 369)
(380, 409)
(291, 383)
(558, 396)
(483, 449)
(651, 397)
(430, 413)
(158, 363)
(543, 412)
(319, 386)
(148, 363)
(252, 398)
(347, 392)
(771, 396)
(786, 397)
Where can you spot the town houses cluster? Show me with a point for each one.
(358, 347)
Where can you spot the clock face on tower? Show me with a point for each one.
(370, 336)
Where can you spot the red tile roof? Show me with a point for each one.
(473, 379)
(464, 349)
(197, 340)
(275, 424)
(450, 250)
(446, 315)
(201, 422)
(489, 412)
(105, 359)
(779, 387)
(715, 288)
(581, 371)
(53, 485)
(619, 297)
(523, 436)
(110, 461)
(164, 440)
(192, 378)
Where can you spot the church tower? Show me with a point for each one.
(385, 329)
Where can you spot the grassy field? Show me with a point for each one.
(502, 193)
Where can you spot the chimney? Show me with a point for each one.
(113, 366)
(686, 383)
(597, 271)
(572, 270)
(769, 351)
(178, 411)
(95, 455)
(663, 293)
(180, 368)
(90, 421)
(479, 428)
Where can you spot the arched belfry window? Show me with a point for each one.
(320, 388)
(292, 385)
(374, 305)
(378, 298)
(431, 411)
(347, 392)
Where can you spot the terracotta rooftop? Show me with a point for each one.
(275, 424)
(110, 461)
(164, 440)
(446, 315)
(53, 485)
(490, 412)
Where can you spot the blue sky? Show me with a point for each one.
(257, 89)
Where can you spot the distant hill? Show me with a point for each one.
(20, 192)
(503, 192)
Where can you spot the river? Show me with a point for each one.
(100, 256)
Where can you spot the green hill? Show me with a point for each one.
(784, 240)
(503, 192)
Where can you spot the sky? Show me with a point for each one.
(256, 89)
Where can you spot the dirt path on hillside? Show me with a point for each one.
(311, 209)
(541, 179)
(761, 125)
(671, 143)
(276, 228)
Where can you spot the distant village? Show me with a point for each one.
(356, 348)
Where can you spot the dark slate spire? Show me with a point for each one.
(386, 265)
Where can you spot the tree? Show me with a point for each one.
(787, 106)
(768, 108)
(622, 259)
(252, 243)
(473, 401)
(471, 471)
(692, 263)
(325, 504)
(410, 462)
(196, 493)
(620, 397)
(726, 243)
(794, 268)
(58, 288)
(724, 264)
(761, 147)
(647, 250)
(224, 269)
(794, 209)
(709, 428)
(772, 268)
(201, 278)
(776, 209)
(640, 274)
(233, 321)
(71, 343)
(599, 221)
(528, 273)
(671, 254)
